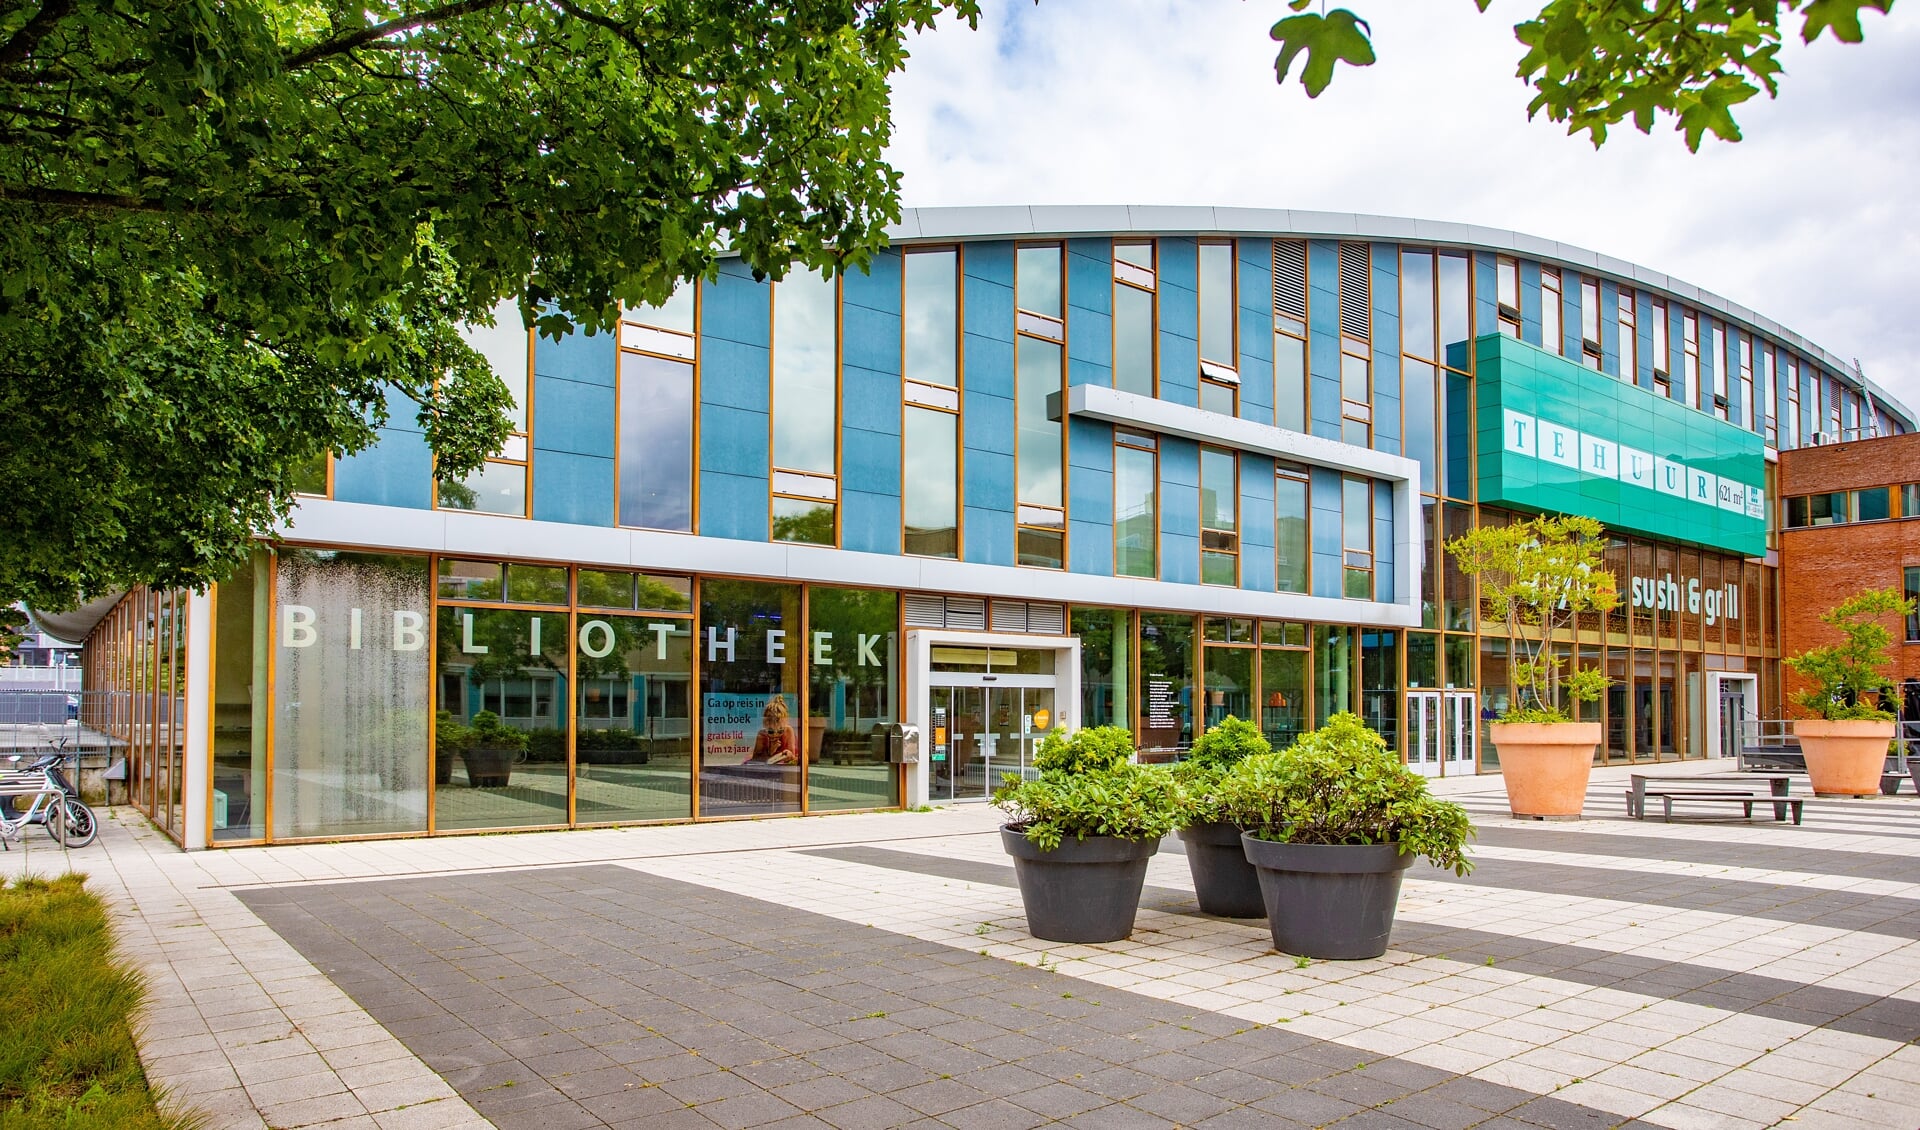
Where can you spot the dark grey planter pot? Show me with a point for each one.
(1329, 901)
(1224, 882)
(1913, 770)
(1082, 891)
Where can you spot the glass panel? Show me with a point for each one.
(508, 347)
(1139, 254)
(602, 588)
(1039, 454)
(932, 312)
(1283, 696)
(1457, 587)
(1037, 279)
(1430, 549)
(1166, 681)
(1216, 304)
(350, 722)
(1332, 671)
(656, 443)
(240, 703)
(1416, 304)
(1229, 683)
(537, 584)
(931, 483)
(1289, 382)
(1456, 300)
(803, 520)
(750, 661)
(1106, 665)
(805, 391)
(676, 313)
(1218, 490)
(1459, 660)
(1356, 514)
(311, 477)
(1291, 549)
(1135, 534)
(634, 750)
(1423, 660)
(853, 691)
(1354, 378)
(1380, 685)
(501, 743)
(1216, 398)
(496, 488)
(1132, 339)
(1872, 505)
(1043, 548)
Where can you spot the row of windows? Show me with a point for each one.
(1833, 508)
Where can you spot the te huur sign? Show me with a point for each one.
(1559, 438)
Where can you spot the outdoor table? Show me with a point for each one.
(1776, 785)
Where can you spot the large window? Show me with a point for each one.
(1717, 360)
(753, 734)
(1106, 666)
(1219, 354)
(500, 485)
(633, 702)
(1135, 287)
(1552, 338)
(1356, 534)
(1228, 658)
(1590, 355)
(930, 479)
(1662, 361)
(852, 693)
(1290, 334)
(1507, 278)
(1039, 372)
(657, 420)
(1912, 589)
(1219, 517)
(1627, 339)
(1292, 545)
(1750, 416)
(1166, 681)
(806, 409)
(1690, 357)
(1136, 522)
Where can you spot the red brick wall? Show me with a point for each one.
(1823, 565)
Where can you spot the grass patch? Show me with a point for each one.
(67, 1056)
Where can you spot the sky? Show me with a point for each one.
(1813, 219)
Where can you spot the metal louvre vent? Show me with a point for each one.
(925, 611)
(1047, 619)
(966, 612)
(1354, 291)
(970, 613)
(1009, 616)
(1290, 278)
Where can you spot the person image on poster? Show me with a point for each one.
(775, 744)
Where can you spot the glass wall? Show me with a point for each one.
(753, 734)
(239, 726)
(1106, 665)
(1166, 682)
(852, 693)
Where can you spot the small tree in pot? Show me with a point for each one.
(1331, 826)
(1537, 576)
(1081, 832)
(1850, 696)
(1224, 882)
(491, 751)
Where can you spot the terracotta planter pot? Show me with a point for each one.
(1546, 765)
(1844, 758)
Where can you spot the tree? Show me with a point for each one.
(236, 236)
(1843, 677)
(1596, 63)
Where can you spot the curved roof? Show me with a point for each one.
(1069, 220)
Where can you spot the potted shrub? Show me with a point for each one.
(1537, 576)
(492, 750)
(1850, 696)
(1080, 833)
(1331, 826)
(1224, 882)
(450, 739)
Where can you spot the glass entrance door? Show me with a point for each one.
(982, 733)
(1733, 717)
(1441, 732)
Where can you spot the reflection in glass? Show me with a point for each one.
(1355, 379)
(1037, 375)
(803, 520)
(1416, 304)
(310, 477)
(656, 442)
(1459, 659)
(350, 722)
(1423, 660)
(1229, 683)
(1132, 339)
(1216, 304)
(805, 389)
(240, 647)
(501, 742)
(633, 755)
(1289, 382)
(1457, 587)
(1456, 299)
(750, 723)
(1135, 482)
(508, 347)
(1290, 545)
(1219, 517)
(1045, 549)
(1106, 665)
(1216, 398)
(852, 695)
(537, 584)
(1037, 279)
(1283, 695)
(930, 484)
(932, 312)
(1332, 671)
(676, 313)
(472, 580)
(1166, 681)
(1419, 390)
(1380, 685)
(496, 488)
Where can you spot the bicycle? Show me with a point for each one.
(48, 808)
(78, 824)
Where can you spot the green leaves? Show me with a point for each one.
(1845, 675)
(1328, 40)
(1131, 802)
(1842, 17)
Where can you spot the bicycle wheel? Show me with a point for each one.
(77, 820)
(56, 817)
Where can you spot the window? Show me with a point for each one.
(1290, 334)
(1136, 521)
(1873, 505)
(1551, 336)
(1717, 358)
(930, 439)
(806, 409)
(1219, 354)
(1769, 395)
(1507, 273)
(315, 476)
(1817, 510)
(500, 485)
(1662, 361)
(1039, 372)
(1219, 517)
(1356, 535)
(1590, 324)
(1913, 594)
(1135, 283)
(1356, 346)
(1749, 406)
(656, 414)
(1627, 340)
(1690, 357)
(1910, 500)
(1292, 547)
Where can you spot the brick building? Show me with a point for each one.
(1850, 520)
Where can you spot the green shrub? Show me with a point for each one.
(1844, 674)
(1339, 785)
(449, 736)
(489, 732)
(1231, 741)
(1092, 750)
(1131, 802)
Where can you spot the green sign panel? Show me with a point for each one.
(1560, 438)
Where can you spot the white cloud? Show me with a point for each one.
(1811, 220)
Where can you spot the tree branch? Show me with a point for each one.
(21, 43)
(88, 201)
(365, 36)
